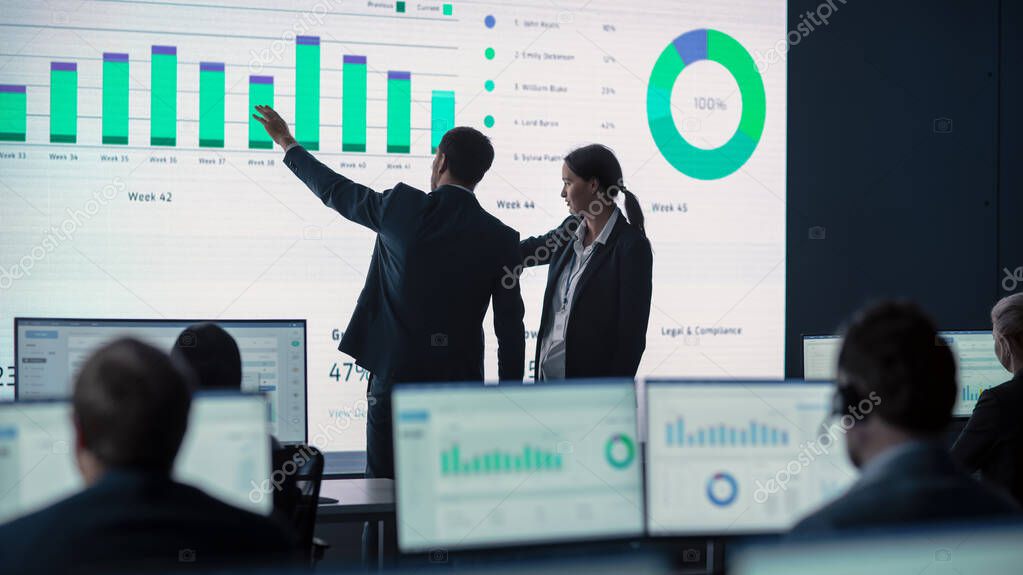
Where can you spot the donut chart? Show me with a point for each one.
(619, 451)
(722, 489)
(715, 46)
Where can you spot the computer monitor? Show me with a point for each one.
(48, 353)
(740, 457)
(974, 351)
(225, 452)
(514, 465)
(820, 357)
(979, 367)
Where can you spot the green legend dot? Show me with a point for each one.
(489, 85)
(400, 7)
(489, 53)
(448, 9)
(488, 121)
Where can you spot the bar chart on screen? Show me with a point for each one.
(188, 89)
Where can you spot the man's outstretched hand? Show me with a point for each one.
(274, 125)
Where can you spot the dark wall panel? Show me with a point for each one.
(893, 110)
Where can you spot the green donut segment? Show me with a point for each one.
(724, 50)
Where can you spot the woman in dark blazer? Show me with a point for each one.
(992, 441)
(597, 303)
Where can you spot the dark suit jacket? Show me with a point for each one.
(992, 441)
(606, 331)
(135, 521)
(922, 485)
(438, 261)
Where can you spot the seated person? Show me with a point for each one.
(992, 441)
(130, 407)
(212, 354)
(893, 361)
(214, 358)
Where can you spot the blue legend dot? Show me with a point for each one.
(490, 21)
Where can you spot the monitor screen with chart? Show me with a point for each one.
(49, 352)
(740, 457)
(480, 465)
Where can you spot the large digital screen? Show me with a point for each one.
(133, 182)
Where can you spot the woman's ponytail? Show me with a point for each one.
(633, 211)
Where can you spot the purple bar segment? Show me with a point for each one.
(392, 75)
(211, 66)
(308, 40)
(168, 50)
(115, 57)
(64, 66)
(261, 79)
(354, 59)
(692, 46)
(11, 89)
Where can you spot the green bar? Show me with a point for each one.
(442, 110)
(527, 456)
(307, 96)
(12, 113)
(115, 99)
(163, 96)
(399, 113)
(261, 93)
(211, 105)
(64, 103)
(353, 105)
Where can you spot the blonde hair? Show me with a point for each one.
(1007, 317)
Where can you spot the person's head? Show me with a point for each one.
(130, 408)
(592, 180)
(896, 378)
(463, 156)
(212, 354)
(1007, 327)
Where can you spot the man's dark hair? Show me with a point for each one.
(469, 154)
(212, 354)
(893, 349)
(131, 403)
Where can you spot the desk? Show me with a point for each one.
(358, 500)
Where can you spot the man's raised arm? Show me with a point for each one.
(353, 201)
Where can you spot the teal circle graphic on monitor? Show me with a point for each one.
(719, 47)
(620, 451)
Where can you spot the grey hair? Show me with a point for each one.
(1007, 316)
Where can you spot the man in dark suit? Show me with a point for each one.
(130, 406)
(895, 392)
(992, 441)
(438, 261)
